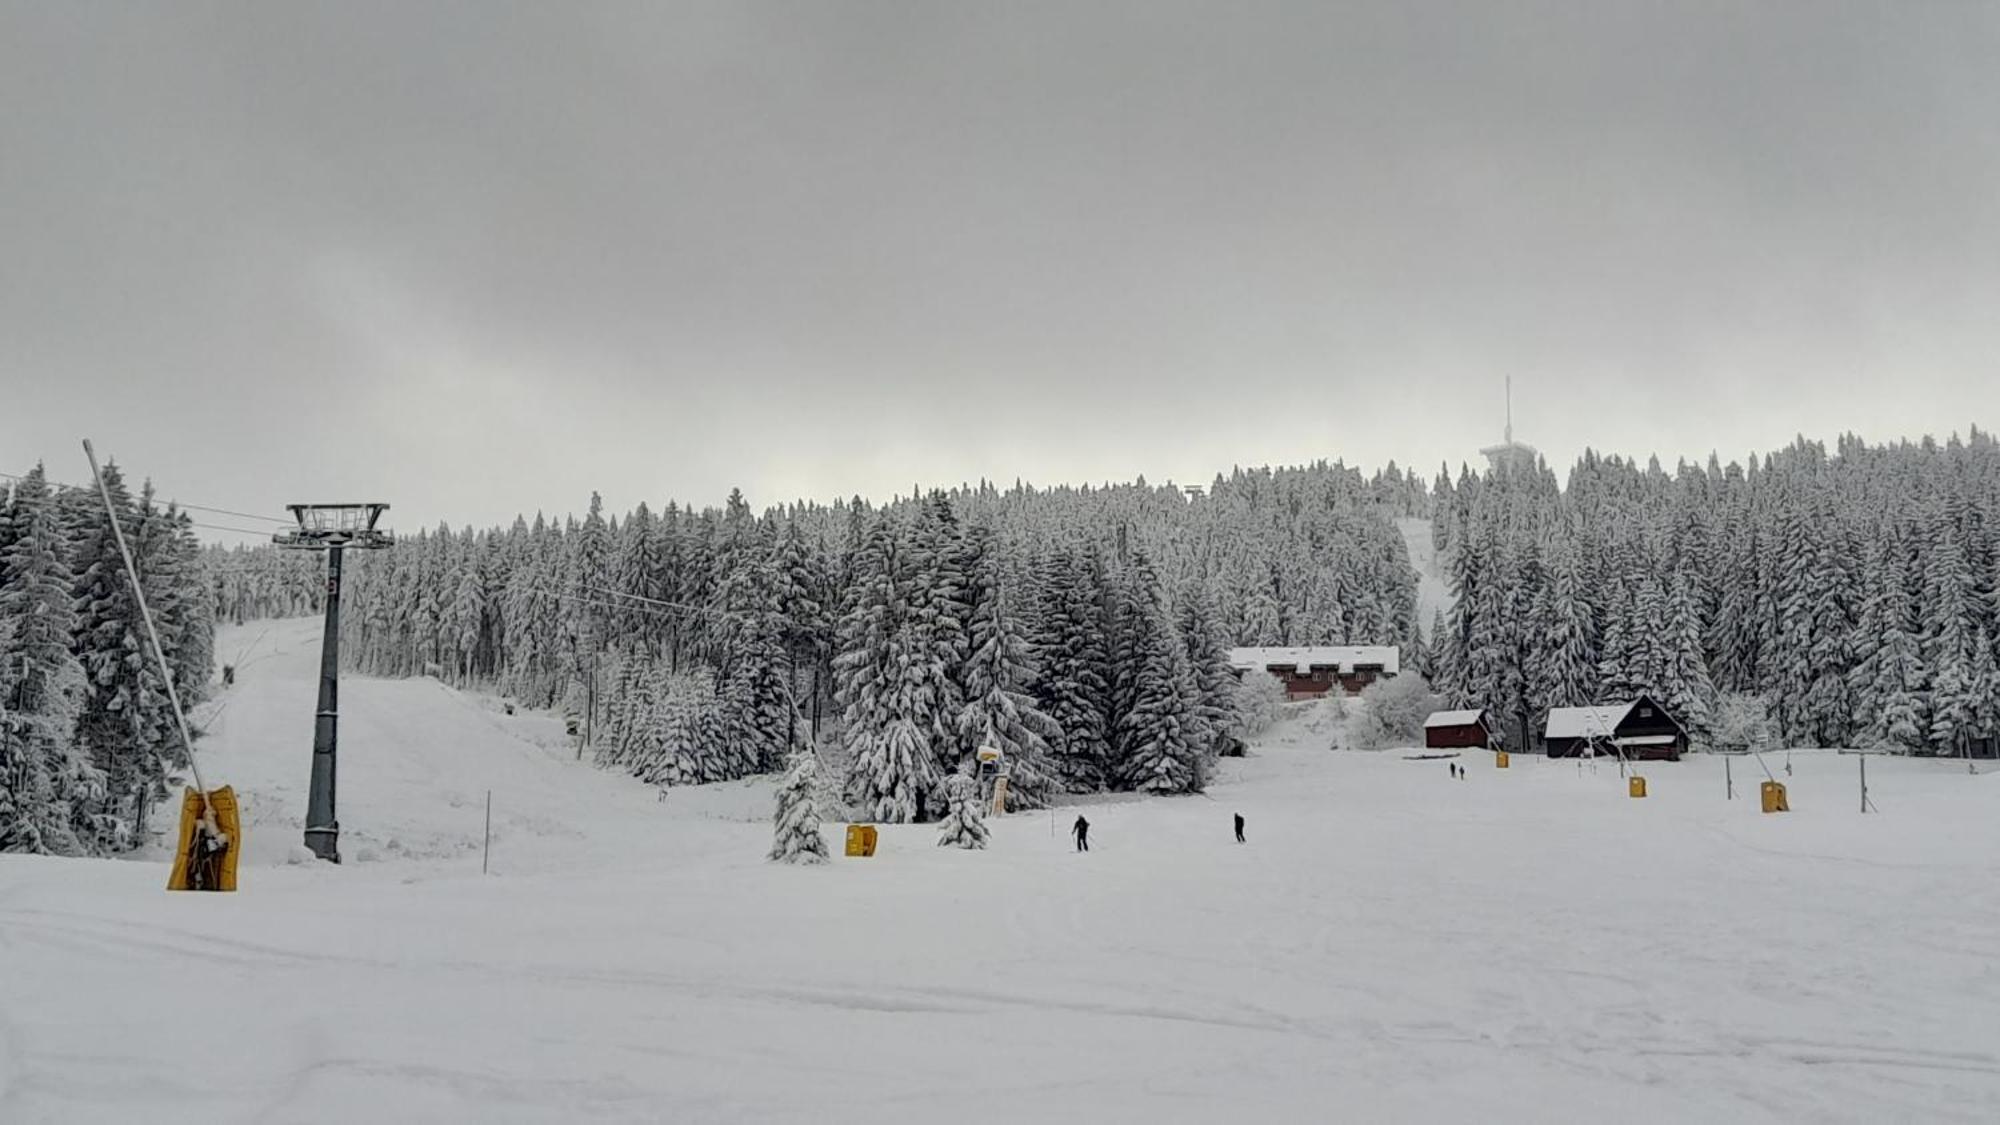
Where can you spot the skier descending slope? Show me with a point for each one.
(1081, 830)
(1239, 828)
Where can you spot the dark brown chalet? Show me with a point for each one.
(1641, 730)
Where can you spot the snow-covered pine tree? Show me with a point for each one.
(1686, 690)
(1827, 704)
(1071, 685)
(632, 728)
(1649, 645)
(1157, 745)
(186, 607)
(795, 826)
(1616, 654)
(126, 723)
(1208, 665)
(1985, 688)
(636, 573)
(884, 672)
(964, 824)
(1416, 653)
(465, 617)
(758, 714)
(1950, 628)
(940, 612)
(807, 631)
(47, 787)
(686, 738)
(998, 711)
(1864, 673)
(1569, 657)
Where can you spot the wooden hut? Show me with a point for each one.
(1640, 729)
(1459, 730)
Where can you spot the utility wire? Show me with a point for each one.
(194, 507)
(23, 501)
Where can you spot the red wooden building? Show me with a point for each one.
(1309, 672)
(1458, 730)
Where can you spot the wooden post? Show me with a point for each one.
(486, 852)
(1864, 782)
(1728, 780)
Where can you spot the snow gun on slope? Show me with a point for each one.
(211, 831)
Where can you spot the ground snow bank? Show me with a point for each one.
(1392, 944)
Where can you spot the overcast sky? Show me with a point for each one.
(474, 259)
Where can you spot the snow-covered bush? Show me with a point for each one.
(1392, 713)
(964, 824)
(1259, 701)
(1743, 723)
(795, 826)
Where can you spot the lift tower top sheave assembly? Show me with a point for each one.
(331, 528)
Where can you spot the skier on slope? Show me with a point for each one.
(1239, 828)
(1081, 830)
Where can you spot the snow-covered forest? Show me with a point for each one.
(87, 736)
(1809, 597)
(1820, 598)
(1081, 630)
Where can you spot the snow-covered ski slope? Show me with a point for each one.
(1391, 945)
(1433, 592)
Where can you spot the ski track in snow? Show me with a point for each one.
(1391, 945)
(1433, 592)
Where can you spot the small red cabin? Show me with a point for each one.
(1458, 730)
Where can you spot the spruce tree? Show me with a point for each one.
(125, 725)
(885, 674)
(1072, 684)
(1157, 745)
(998, 711)
(795, 833)
(964, 824)
(1569, 663)
(1686, 690)
(938, 620)
(47, 788)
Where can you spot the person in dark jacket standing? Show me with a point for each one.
(1239, 828)
(1081, 830)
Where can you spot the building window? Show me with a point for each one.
(1645, 712)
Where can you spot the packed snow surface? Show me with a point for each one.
(1391, 945)
(1433, 591)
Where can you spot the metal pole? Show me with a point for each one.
(1728, 779)
(153, 636)
(322, 824)
(1864, 782)
(486, 850)
(145, 614)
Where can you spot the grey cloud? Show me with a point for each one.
(477, 258)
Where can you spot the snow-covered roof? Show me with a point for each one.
(1587, 722)
(1306, 658)
(1452, 719)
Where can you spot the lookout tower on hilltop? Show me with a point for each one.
(1510, 455)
